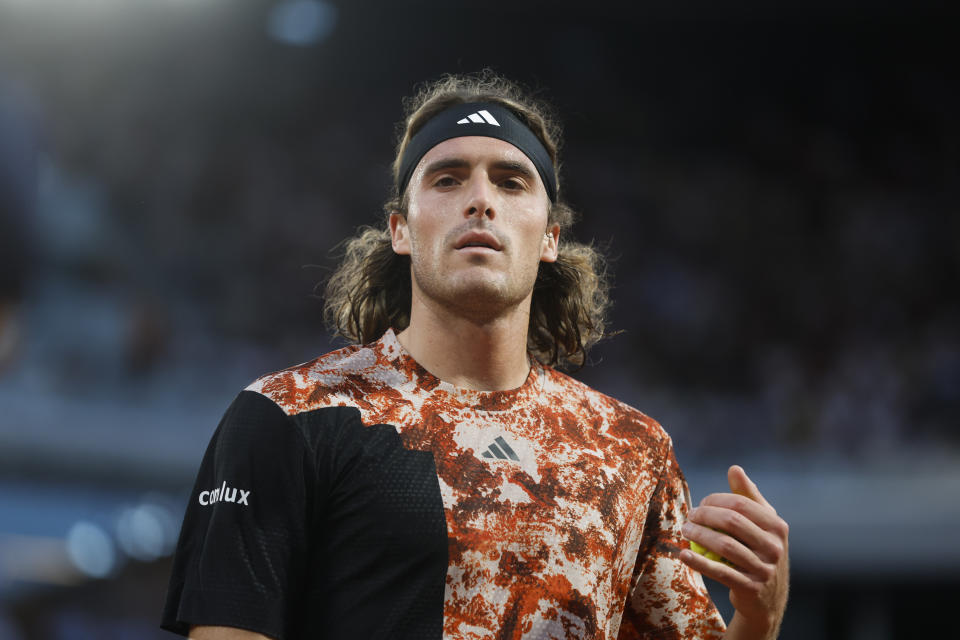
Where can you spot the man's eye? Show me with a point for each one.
(512, 183)
(445, 181)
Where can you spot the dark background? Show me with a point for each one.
(775, 183)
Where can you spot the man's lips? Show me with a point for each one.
(478, 239)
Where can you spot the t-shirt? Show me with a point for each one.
(358, 496)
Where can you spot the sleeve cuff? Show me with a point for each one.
(242, 610)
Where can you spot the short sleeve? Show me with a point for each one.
(667, 599)
(240, 557)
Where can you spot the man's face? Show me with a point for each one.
(476, 227)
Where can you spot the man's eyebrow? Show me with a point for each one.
(513, 166)
(446, 163)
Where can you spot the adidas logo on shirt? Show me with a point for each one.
(480, 117)
(224, 494)
(500, 450)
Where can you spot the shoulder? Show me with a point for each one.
(340, 378)
(285, 412)
(615, 418)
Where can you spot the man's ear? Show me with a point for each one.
(551, 244)
(399, 234)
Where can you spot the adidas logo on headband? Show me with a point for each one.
(479, 117)
(451, 123)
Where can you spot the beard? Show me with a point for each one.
(477, 294)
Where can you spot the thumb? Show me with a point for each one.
(741, 484)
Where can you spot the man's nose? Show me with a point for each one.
(480, 198)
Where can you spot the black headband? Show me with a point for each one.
(477, 119)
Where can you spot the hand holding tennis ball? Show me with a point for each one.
(696, 547)
(746, 527)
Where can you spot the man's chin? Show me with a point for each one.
(482, 301)
(477, 292)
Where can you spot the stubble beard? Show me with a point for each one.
(470, 295)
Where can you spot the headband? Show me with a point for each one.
(477, 119)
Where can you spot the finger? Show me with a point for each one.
(763, 516)
(722, 573)
(756, 540)
(726, 546)
(741, 484)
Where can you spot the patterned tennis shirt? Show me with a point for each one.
(358, 496)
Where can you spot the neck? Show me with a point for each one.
(483, 355)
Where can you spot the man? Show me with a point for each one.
(440, 478)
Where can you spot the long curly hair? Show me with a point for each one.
(370, 291)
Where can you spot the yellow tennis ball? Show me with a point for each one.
(706, 553)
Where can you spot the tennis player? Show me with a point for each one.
(440, 477)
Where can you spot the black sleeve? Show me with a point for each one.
(241, 555)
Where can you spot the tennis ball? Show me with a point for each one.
(706, 553)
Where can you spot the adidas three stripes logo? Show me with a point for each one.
(480, 117)
(503, 451)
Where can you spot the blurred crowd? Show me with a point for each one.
(784, 247)
(777, 193)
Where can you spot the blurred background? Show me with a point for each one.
(777, 184)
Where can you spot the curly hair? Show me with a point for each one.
(370, 291)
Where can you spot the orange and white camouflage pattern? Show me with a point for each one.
(575, 538)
